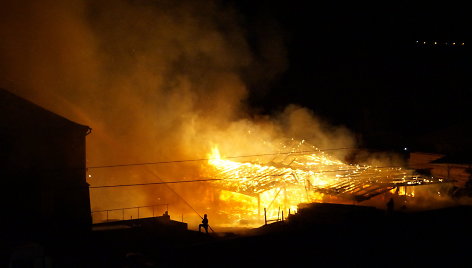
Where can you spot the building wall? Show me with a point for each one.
(456, 172)
(42, 170)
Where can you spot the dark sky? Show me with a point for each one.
(360, 65)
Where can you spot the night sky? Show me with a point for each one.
(360, 65)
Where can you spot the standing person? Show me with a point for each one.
(390, 205)
(204, 224)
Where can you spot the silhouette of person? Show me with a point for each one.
(204, 224)
(166, 215)
(390, 205)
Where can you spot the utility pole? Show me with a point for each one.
(265, 216)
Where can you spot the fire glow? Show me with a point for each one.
(300, 176)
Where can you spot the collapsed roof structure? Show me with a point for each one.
(313, 171)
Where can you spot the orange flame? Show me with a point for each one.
(289, 179)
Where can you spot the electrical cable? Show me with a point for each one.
(207, 159)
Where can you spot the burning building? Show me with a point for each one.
(42, 169)
(167, 81)
(305, 174)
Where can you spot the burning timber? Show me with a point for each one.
(309, 175)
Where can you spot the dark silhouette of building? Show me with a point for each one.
(42, 170)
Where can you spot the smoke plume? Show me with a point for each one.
(155, 80)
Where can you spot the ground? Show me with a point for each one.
(330, 236)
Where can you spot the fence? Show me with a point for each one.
(280, 216)
(128, 213)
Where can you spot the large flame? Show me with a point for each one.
(278, 183)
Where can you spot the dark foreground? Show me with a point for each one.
(321, 235)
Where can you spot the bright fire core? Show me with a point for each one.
(278, 183)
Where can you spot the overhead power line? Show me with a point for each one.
(152, 183)
(207, 159)
(248, 177)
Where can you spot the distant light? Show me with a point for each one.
(441, 43)
(90, 176)
(405, 149)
